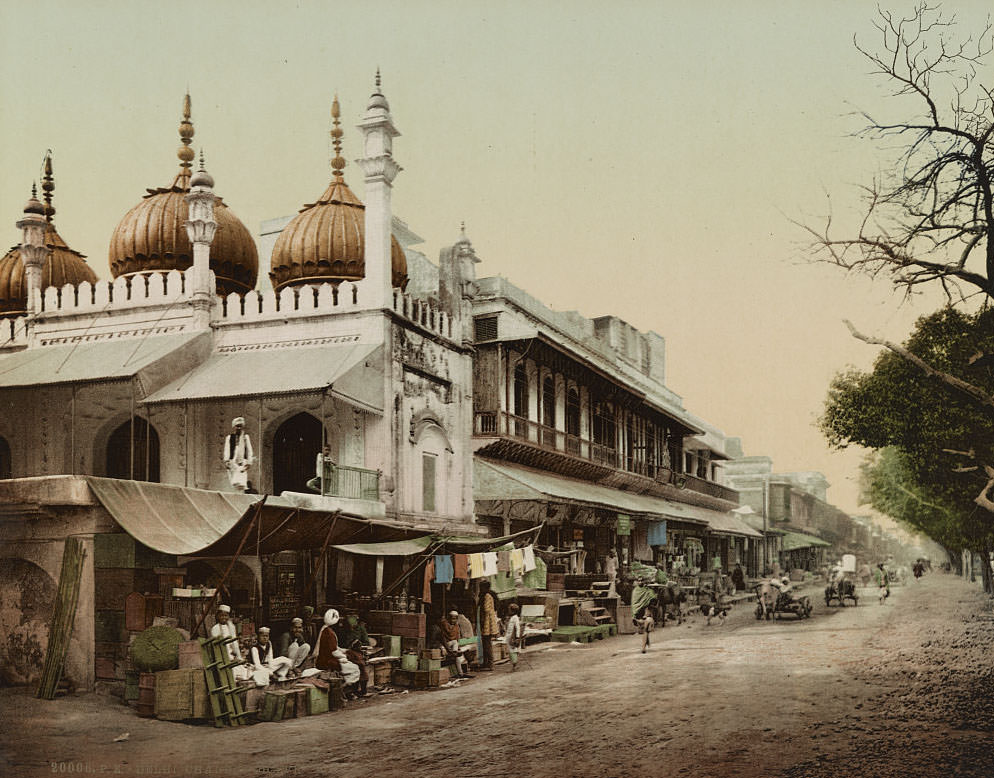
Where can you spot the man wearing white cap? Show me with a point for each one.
(238, 455)
(293, 644)
(449, 631)
(264, 663)
(225, 629)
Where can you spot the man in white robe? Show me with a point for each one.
(265, 664)
(238, 455)
(225, 629)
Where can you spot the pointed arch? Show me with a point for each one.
(296, 444)
(133, 455)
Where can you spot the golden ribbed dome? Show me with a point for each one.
(326, 241)
(152, 235)
(63, 266)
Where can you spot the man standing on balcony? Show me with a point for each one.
(324, 470)
(238, 455)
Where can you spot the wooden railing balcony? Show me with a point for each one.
(502, 424)
(353, 482)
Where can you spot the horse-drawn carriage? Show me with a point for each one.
(841, 589)
(774, 598)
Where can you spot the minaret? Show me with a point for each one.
(200, 228)
(34, 253)
(380, 170)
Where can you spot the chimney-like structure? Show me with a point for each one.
(33, 250)
(380, 170)
(201, 228)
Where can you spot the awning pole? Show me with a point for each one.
(324, 548)
(131, 447)
(379, 575)
(261, 447)
(72, 430)
(231, 564)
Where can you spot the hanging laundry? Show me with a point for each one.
(476, 566)
(429, 574)
(490, 563)
(517, 560)
(504, 561)
(443, 568)
(460, 566)
(529, 558)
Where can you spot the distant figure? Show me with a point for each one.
(738, 578)
(489, 627)
(918, 569)
(238, 455)
(645, 624)
(513, 635)
(864, 575)
(883, 582)
(324, 469)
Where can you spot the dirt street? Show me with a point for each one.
(905, 689)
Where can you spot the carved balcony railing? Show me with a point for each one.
(502, 424)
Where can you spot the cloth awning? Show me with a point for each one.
(730, 524)
(200, 522)
(795, 540)
(493, 481)
(154, 360)
(440, 544)
(352, 371)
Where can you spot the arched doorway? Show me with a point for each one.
(27, 596)
(295, 447)
(138, 460)
(6, 466)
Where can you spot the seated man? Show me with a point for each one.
(330, 657)
(449, 642)
(264, 663)
(293, 644)
(225, 629)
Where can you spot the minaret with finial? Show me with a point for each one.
(380, 170)
(201, 228)
(48, 186)
(34, 253)
(185, 153)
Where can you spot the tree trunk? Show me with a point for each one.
(988, 579)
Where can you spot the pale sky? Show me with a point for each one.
(641, 159)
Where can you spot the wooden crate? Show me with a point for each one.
(190, 654)
(278, 705)
(181, 695)
(140, 610)
(379, 621)
(317, 701)
(408, 625)
(382, 671)
(429, 664)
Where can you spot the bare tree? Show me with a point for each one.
(929, 219)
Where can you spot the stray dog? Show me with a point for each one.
(713, 610)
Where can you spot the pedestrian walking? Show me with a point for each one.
(883, 581)
(645, 624)
(512, 635)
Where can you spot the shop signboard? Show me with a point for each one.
(624, 524)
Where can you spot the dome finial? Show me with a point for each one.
(338, 163)
(377, 78)
(185, 153)
(48, 186)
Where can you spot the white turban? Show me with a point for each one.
(238, 420)
(453, 613)
(263, 630)
(224, 609)
(331, 617)
(297, 622)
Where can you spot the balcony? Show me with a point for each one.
(354, 483)
(594, 460)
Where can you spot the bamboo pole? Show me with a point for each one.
(63, 617)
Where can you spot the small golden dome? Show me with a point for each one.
(152, 235)
(63, 266)
(326, 241)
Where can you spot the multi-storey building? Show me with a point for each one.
(575, 428)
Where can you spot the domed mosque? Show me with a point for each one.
(63, 266)
(152, 235)
(325, 241)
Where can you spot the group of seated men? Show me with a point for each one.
(296, 655)
(338, 646)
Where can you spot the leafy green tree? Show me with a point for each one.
(926, 407)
